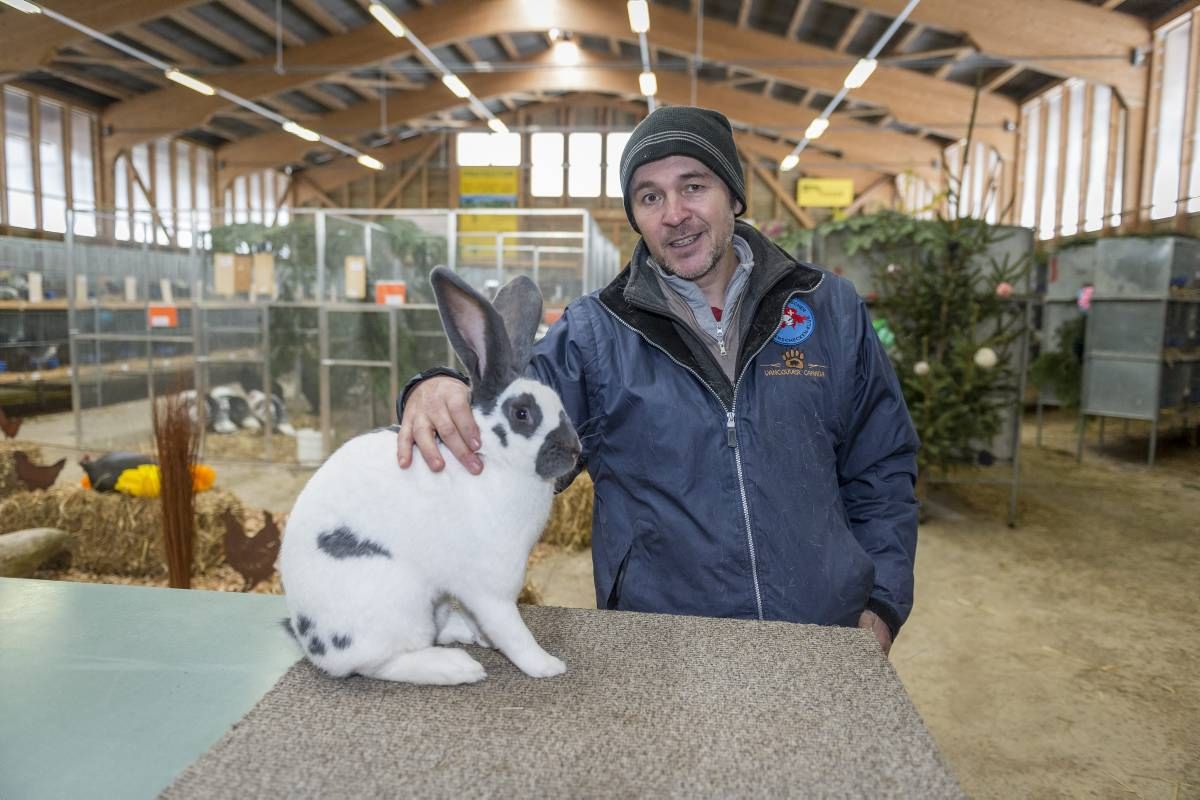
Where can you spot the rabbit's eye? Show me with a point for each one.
(522, 414)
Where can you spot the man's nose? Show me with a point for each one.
(675, 211)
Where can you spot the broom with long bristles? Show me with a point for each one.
(178, 447)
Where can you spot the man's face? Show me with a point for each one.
(685, 213)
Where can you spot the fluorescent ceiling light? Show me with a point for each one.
(648, 84)
(190, 82)
(789, 163)
(816, 128)
(497, 125)
(302, 132)
(21, 5)
(639, 15)
(372, 163)
(858, 76)
(455, 84)
(387, 19)
(555, 34)
(566, 53)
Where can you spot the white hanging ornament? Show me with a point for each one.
(893, 269)
(921, 368)
(985, 357)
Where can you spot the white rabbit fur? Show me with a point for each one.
(449, 535)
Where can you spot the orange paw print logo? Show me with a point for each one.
(793, 359)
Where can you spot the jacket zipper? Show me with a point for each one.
(730, 436)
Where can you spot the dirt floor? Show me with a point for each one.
(1053, 659)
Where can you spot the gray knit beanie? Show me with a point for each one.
(701, 133)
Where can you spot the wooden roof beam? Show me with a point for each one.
(594, 74)
(1032, 32)
(28, 40)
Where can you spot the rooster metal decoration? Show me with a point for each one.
(36, 476)
(253, 557)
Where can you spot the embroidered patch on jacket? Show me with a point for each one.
(794, 363)
(796, 325)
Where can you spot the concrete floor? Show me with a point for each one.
(1056, 659)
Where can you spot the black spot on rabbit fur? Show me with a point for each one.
(343, 543)
(303, 625)
(501, 434)
(316, 646)
(523, 413)
(287, 626)
(340, 642)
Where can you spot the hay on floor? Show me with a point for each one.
(117, 534)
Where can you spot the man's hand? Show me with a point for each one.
(871, 621)
(439, 408)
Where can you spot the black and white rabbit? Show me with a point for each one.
(384, 567)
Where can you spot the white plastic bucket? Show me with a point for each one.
(308, 447)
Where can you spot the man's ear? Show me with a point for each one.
(738, 206)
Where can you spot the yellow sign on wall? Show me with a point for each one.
(501, 183)
(824, 192)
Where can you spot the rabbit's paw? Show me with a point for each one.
(462, 669)
(541, 665)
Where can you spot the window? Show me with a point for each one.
(1048, 222)
(489, 149)
(18, 160)
(1093, 215)
(143, 220)
(83, 174)
(1074, 165)
(52, 163)
(254, 180)
(164, 201)
(1119, 174)
(122, 228)
(546, 155)
(241, 213)
(615, 146)
(203, 191)
(1168, 154)
(583, 176)
(183, 194)
(1031, 131)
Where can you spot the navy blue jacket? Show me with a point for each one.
(788, 495)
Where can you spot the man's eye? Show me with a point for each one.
(649, 198)
(694, 187)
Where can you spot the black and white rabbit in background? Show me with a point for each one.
(374, 555)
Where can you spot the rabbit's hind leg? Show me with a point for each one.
(442, 666)
(455, 626)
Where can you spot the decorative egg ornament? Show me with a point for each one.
(1004, 290)
(985, 357)
(921, 368)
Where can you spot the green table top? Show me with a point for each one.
(110, 691)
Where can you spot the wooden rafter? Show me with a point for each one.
(852, 29)
(891, 87)
(595, 74)
(1032, 31)
(27, 40)
(411, 172)
(777, 189)
(214, 35)
(1004, 77)
(743, 18)
(262, 21)
(315, 11)
(797, 18)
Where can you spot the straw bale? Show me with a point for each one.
(117, 534)
(570, 523)
(9, 482)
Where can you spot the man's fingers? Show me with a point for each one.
(426, 442)
(404, 446)
(463, 421)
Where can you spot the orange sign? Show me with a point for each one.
(162, 316)
(391, 293)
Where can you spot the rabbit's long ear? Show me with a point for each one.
(476, 332)
(520, 304)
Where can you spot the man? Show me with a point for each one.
(751, 451)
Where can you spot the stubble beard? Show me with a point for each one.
(714, 258)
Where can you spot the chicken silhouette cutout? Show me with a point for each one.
(10, 425)
(36, 476)
(253, 557)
